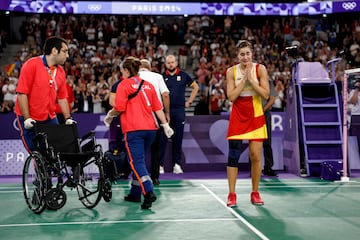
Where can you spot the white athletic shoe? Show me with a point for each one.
(177, 169)
(161, 170)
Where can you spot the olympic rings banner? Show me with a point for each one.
(181, 8)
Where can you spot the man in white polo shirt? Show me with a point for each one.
(162, 92)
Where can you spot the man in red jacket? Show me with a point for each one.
(42, 84)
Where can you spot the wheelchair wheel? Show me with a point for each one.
(35, 181)
(107, 192)
(55, 198)
(91, 183)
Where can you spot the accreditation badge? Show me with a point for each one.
(178, 78)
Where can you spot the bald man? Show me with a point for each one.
(162, 92)
(177, 81)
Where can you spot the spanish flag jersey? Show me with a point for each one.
(247, 120)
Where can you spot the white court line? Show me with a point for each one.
(242, 183)
(117, 222)
(9, 190)
(284, 183)
(219, 182)
(243, 220)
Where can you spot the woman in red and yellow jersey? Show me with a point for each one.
(247, 84)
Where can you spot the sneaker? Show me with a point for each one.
(231, 200)
(161, 170)
(270, 173)
(132, 198)
(149, 198)
(177, 169)
(256, 199)
(156, 182)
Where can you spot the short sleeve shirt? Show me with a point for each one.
(42, 88)
(156, 80)
(177, 84)
(136, 113)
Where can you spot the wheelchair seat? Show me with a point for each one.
(64, 139)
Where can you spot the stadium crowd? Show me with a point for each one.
(206, 48)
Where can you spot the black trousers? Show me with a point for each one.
(355, 128)
(177, 124)
(155, 156)
(268, 154)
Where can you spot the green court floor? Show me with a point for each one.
(195, 209)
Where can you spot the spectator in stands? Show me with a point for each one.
(247, 84)
(189, 38)
(164, 48)
(3, 40)
(89, 97)
(91, 34)
(41, 84)
(183, 56)
(102, 82)
(227, 25)
(206, 23)
(2, 80)
(140, 131)
(217, 99)
(79, 99)
(9, 93)
(104, 96)
(177, 80)
(202, 73)
(195, 54)
(278, 105)
(355, 53)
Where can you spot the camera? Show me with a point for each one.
(292, 51)
(354, 81)
(357, 83)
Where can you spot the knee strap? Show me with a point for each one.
(234, 153)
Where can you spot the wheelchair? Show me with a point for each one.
(62, 159)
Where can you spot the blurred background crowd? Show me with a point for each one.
(205, 47)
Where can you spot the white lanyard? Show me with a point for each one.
(52, 75)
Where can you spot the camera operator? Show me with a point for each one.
(354, 99)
